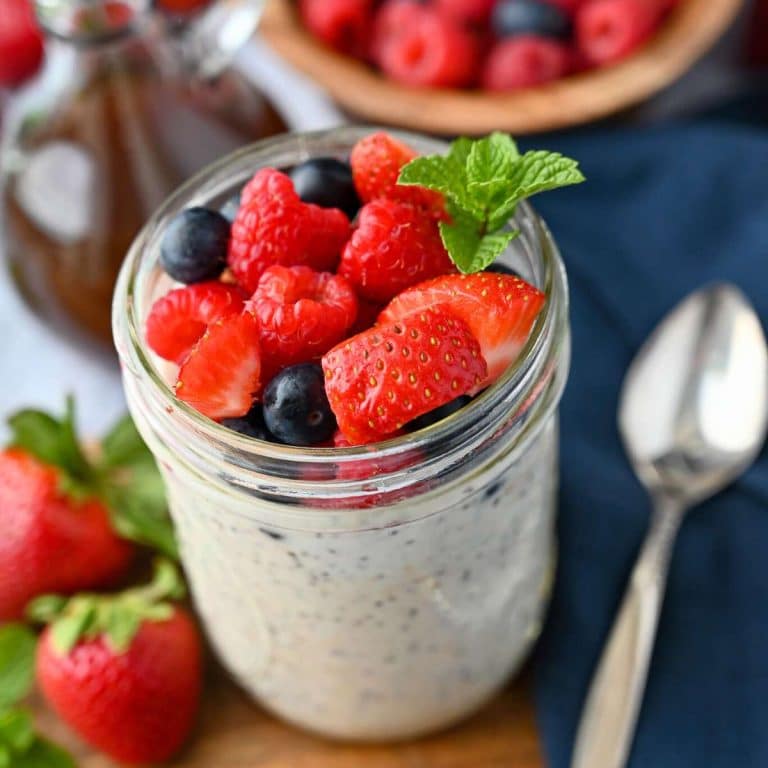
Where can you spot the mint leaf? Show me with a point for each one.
(44, 754)
(17, 663)
(16, 730)
(483, 181)
(539, 171)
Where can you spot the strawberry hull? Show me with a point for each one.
(373, 592)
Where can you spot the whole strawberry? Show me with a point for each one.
(66, 520)
(124, 671)
(21, 42)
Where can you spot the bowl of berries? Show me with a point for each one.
(473, 66)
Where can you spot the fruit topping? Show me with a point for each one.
(251, 425)
(194, 246)
(499, 311)
(438, 414)
(301, 314)
(393, 247)
(273, 226)
(383, 378)
(296, 408)
(221, 376)
(178, 320)
(327, 182)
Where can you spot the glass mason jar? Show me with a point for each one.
(377, 592)
(130, 104)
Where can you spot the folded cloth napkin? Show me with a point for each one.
(663, 212)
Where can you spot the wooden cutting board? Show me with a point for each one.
(234, 733)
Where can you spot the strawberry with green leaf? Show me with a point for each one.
(124, 671)
(483, 181)
(69, 521)
(20, 745)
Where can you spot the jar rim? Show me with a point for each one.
(516, 384)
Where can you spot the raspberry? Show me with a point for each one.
(343, 24)
(609, 30)
(178, 320)
(376, 162)
(429, 50)
(383, 378)
(367, 312)
(569, 6)
(394, 247)
(301, 315)
(467, 11)
(525, 61)
(273, 226)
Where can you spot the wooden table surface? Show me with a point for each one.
(234, 733)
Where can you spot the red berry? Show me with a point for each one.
(301, 315)
(273, 226)
(376, 162)
(394, 246)
(498, 309)
(367, 312)
(138, 706)
(222, 375)
(178, 320)
(417, 45)
(467, 11)
(50, 542)
(609, 30)
(383, 378)
(525, 61)
(343, 24)
(21, 42)
(569, 6)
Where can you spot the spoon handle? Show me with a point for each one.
(613, 704)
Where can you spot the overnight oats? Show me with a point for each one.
(346, 351)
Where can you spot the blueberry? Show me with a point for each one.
(296, 409)
(230, 208)
(194, 246)
(530, 17)
(252, 424)
(502, 269)
(443, 412)
(328, 182)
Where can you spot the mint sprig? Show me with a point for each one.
(20, 745)
(123, 473)
(483, 181)
(117, 617)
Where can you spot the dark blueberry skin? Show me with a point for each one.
(194, 246)
(530, 17)
(443, 412)
(296, 409)
(230, 208)
(252, 424)
(328, 182)
(501, 269)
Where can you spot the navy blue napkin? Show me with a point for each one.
(663, 212)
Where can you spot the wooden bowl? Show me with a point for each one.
(691, 28)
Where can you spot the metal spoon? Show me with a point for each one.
(693, 416)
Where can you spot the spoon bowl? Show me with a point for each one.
(693, 412)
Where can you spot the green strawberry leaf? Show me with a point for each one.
(483, 181)
(44, 754)
(52, 441)
(5, 756)
(123, 445)
(17, 663)
(16, 730)
(118, 617)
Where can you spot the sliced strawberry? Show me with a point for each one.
(178, 320)
(383, 378)
(221, 376)
(498, 309)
